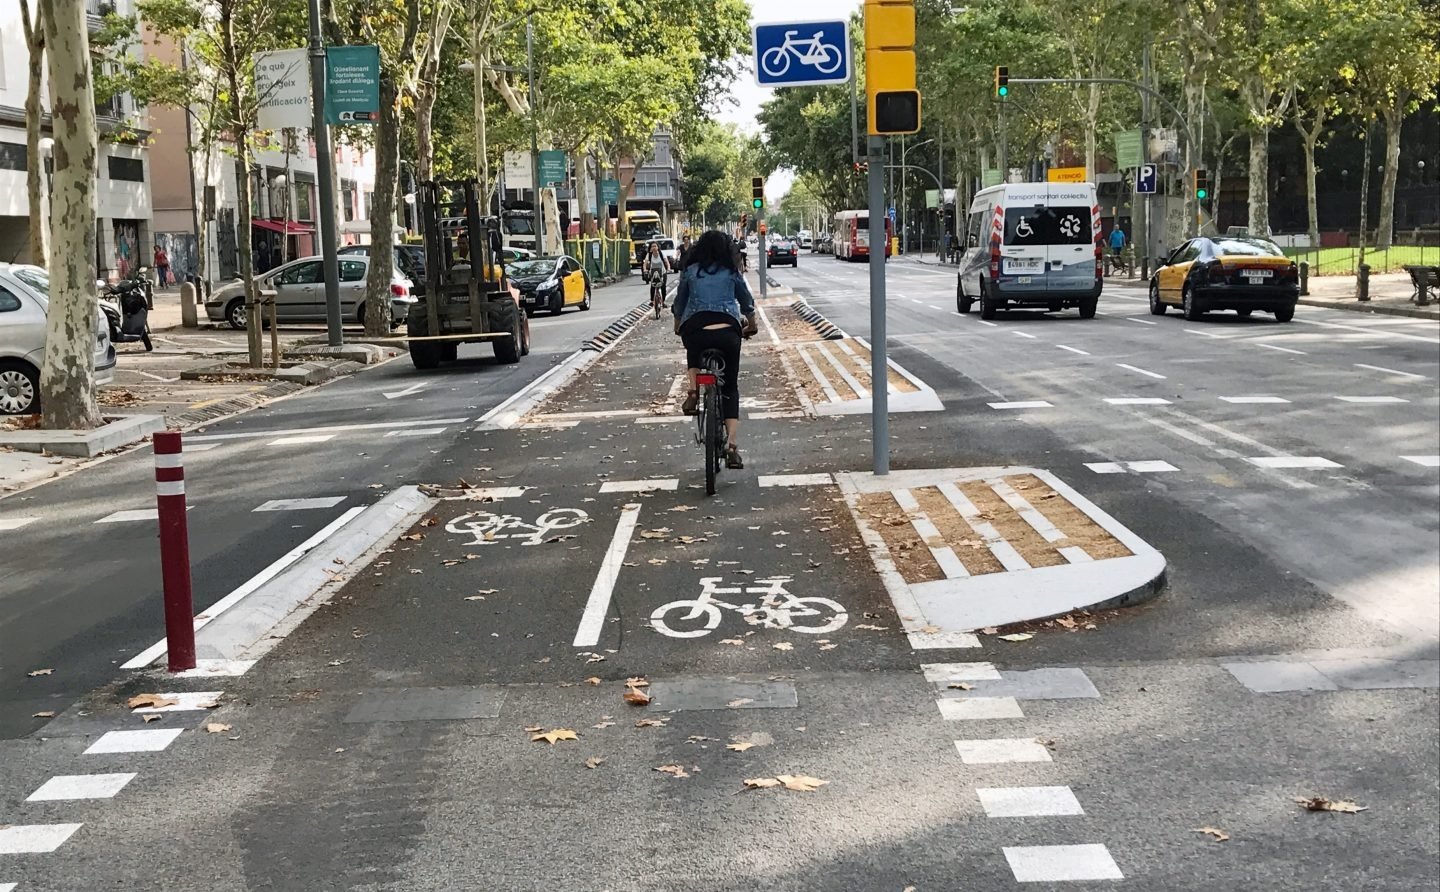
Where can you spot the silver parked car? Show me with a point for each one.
(300, 293)
(24, 300)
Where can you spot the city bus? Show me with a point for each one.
(643, 226)
(852, 235)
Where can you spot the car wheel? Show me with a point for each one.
(19, 388)
(1190, 304)
(962, 303)
(1157, 306)
(235, 313)
(557, 304)
(987, 306)
(1243, 314)
(1284, 314)
(425, 355)
(508, 350)
(585, 304)
(1088, 307)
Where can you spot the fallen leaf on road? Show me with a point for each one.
(655, 534)
(339, 749)
(870, 627)
(1017, 636)
(152, 700)
(739, 702)
(595, 658)
(673, 770)
(1067, 622)
(1320, 803)
(475, 598)
(637, 697)
(216, 727)
(1047, 742)
(739, 747)
(152, 717)
(594, 762)
(602, 724)
(783, 645)
(699, 738)
(413, 537)
(683, 508)
(337, 662)
(429, 522)
(594, 679)
(1220, 835)
(452, 562)
(416, 570)
(931, 630)
(802, 783)
(557, 734)
(486, 591)
(828, 646)
(760, 783)
(735, 641)
(36, 673)
(43, 715)
(657, 561)
(637, 682)
(961, 686)
(533, 728)
(651, 723)
(989, 630)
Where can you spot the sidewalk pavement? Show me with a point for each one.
(1389, 295)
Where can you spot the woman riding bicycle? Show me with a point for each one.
(654, 268)
(713, 311)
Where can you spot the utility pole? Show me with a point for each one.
(879, 392)
(1145, 207)
(324, 165)
(904, 205)
(534, 132)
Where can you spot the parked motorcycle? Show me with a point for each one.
(126, 305)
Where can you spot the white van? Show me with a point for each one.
(804, 238)
(1032, 245)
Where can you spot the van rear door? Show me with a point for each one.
(1024, 250)
(1072, 226)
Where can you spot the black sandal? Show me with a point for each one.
(733, 461)
(691, 406)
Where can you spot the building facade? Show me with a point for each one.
(657, 183)
(124, 234)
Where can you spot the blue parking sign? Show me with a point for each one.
(1145, 178)
(802, 54)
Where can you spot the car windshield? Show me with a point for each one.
(520, 225)
(36, 279)
(532, 267)
(644, 230)
(1247, 247)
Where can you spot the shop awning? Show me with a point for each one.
(291, 227)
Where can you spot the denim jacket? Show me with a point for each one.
(712, 290)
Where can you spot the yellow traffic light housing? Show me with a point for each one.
(892, 100)
(1002, 81)
(757, 192)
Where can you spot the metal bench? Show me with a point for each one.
(1425, 279)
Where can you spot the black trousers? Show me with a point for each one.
(698, 339)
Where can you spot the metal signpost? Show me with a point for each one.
(879, 393)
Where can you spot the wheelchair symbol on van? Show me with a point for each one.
(1022, 229)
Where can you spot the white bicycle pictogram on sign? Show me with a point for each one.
(777, 609)
(823, 57)
(488, 529)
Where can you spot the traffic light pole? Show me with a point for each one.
(879, 367)
(760, 248)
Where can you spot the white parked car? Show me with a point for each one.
(300, 293)
(24, 300)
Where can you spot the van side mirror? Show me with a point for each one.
(974, 240)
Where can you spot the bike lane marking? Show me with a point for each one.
(592, 620)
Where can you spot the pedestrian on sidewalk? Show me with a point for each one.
(714, 310)
(162, 266)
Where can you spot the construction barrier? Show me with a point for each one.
(601, 255)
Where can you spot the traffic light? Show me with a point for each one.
(892, 102)
(1202, 183)
(1002, 81)
(862, 167)
(757, 192)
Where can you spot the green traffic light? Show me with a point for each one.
(1003, 91)
(1202, 193)
(758, 203)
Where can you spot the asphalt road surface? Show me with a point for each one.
(1286, 472)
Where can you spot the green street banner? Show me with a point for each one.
(609, 191)
(552, 167)
(990, 176)
(1127, 149)
(352, 84)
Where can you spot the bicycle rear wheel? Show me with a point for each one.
(713, 427)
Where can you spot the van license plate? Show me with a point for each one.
(1024, 265)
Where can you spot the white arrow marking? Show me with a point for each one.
(413, 388)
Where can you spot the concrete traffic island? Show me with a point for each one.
(118, 431)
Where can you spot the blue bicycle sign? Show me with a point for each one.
(798, 54)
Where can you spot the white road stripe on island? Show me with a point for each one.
(1372, 399)
(1028, 802)
(1072, 350)
(1139, 467)
(999, 750)
(955, 709)
(15, 523)
(1021, 334)
(943, 554)
(944, 673)
(1141, 371)
(140, 741)
(1281, 349)
(592, 621)
(187, 701)
(80, 786)
(796, 480)
(301, 440)
(34, 839)
(1137, 401)
(660, 484)
(1023, 404)
(1293, 461)
(299, 504)
(417, 432)
(1056, 864)
(991, 324)
(1381, 368)
(1424, 461)
(332, 429)
(1141, 321)
(1253, 400)
(1208, 334)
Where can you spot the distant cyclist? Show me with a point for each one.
(655, 269)
(715, 310)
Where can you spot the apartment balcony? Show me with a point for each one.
(667, 192)
(96, 10)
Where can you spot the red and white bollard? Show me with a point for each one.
(174, 551)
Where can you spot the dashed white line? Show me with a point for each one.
(1054, 864)
(15, 523)
(299, 504)
(944, 673)
(186, 701)
(954, 709)
(1425, 461)
(34, 839)
(999, 750)
(415, 432)
(301, 440)
(1293, 461)
(1381, 368)
(1141, 321)
(1208, 334)
(1371, 331)
(662, 484)
(1372, 399)
(130, 516)
(147, 741)
(1028, 802)
(593, 619)
(1023, 404)
(1253, 400)
(1281, 349)
(796, 480)
(1141, 371)
(991, 324)
(338, 428)
(1021, 334)
(80, 786)
(1072, 350)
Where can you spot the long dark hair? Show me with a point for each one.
(711, 252)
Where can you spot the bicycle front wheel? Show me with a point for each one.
(775, 62)
(713, 426)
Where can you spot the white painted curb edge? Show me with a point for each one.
(272, 611)
(505, 415)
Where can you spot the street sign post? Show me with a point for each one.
(802, 54)
(552, 167)
(352, 84)
(1145, 179)
(610, 192)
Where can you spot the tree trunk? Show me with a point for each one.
(34, 163)
(1365, 191)
(477, 58)
(67, 378)
(1194, 102)
(382, 212)
(239, 129)
(1312, 206)
(1259, 221)
(1385, 232)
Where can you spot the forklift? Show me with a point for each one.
(468, 298)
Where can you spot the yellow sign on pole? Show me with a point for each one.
(1066, 175)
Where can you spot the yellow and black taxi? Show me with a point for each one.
(1231, 272)
(550, 284)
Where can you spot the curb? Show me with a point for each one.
(274, 609)
(1358, 307)
(616, 330)
(823, 327)
(118, 432)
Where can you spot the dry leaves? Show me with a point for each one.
(555, 735)
(1017, 636)
(1220, 835)
(732, 641)
(800, 783)
(1320, 803)
(413, 537)
(739, 747)
(651, 723)
(760, 783)
(152, 717)
(154, 701)
(48, 714)
(739, 702)
(594, 762)
(634, 693)
(869, 627)
(961, 686)
(673, 770)
(593, 680)
(36, 673)
(655, 534)
(216, 727)
(783, 645)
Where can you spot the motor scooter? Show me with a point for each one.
(126, 308)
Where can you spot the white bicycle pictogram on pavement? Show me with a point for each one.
(777, 609)
(823, 57)
(489, 529)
